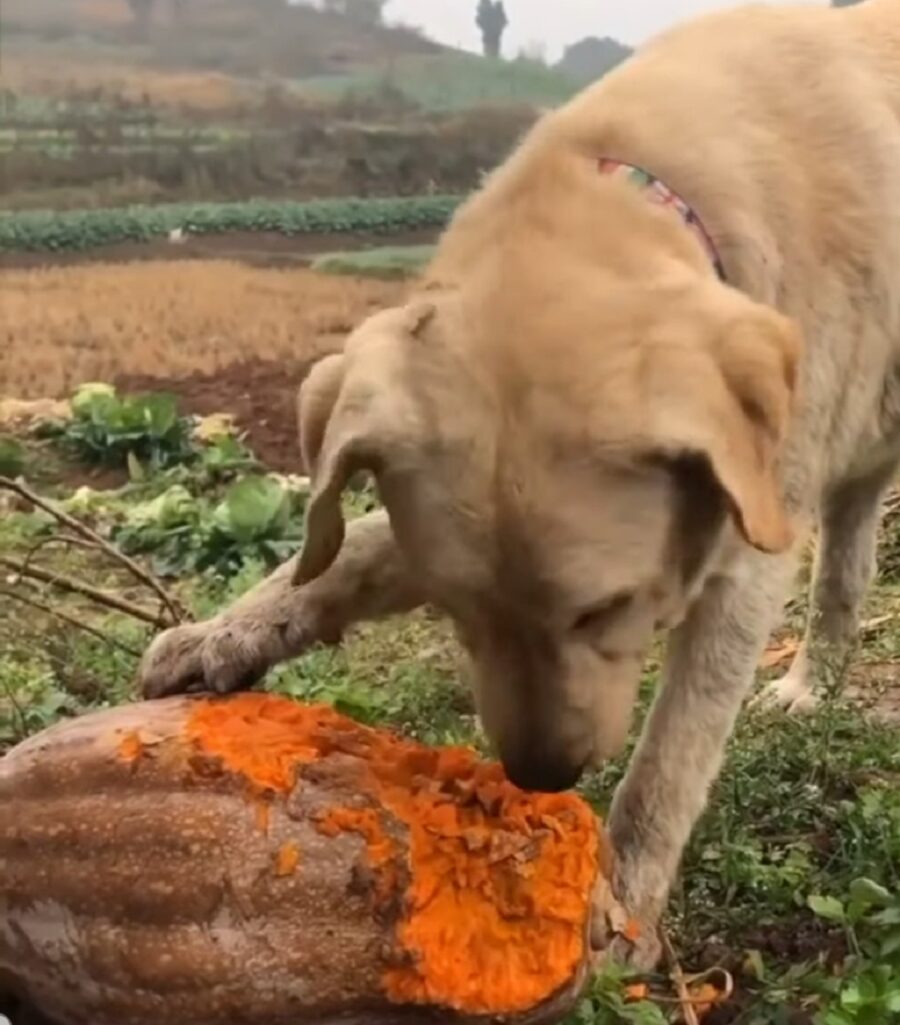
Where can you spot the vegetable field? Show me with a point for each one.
(788, 891)
(191, 217)
(78, 230)
(63, 327)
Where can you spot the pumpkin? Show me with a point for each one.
(250, 859)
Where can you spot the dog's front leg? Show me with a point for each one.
(276, 621)
(709, 668)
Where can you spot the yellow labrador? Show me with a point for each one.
(659, 344)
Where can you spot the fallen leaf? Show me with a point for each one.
(705, 997)
(217, 425)
(23, 411)
(778, 654)
(288, 859)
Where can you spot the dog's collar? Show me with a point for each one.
(658, 192)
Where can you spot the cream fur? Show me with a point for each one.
(580, 434)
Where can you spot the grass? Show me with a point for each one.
(65, 326)
(386, 262)
(803, 810)
(448, 82)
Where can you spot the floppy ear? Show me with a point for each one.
(351, 418)
(738, 421)
(324, 532)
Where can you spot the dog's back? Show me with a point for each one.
(781, 127)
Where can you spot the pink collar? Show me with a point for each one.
(658, 192)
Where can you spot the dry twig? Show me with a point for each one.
(58, 539)
(172, 606)
(71, 620)
(687, 1001)
(73, 586)
(679, 980)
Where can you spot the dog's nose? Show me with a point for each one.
(536, 770)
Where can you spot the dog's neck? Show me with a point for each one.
(658, 192)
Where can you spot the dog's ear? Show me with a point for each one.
(737, 418)
(353, 415)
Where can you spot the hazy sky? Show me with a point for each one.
(552, 23)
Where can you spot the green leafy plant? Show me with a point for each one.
(142, 432)
(40, 231)
(12, 456)
(223, 458)
(607, 1002)
(30, 699)
(867, 990)
(257, 519)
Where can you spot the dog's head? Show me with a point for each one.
(559, 483)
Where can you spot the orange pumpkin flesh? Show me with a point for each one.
(471, 898)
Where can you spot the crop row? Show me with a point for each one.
(50, 231)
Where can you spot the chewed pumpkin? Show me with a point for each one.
(254, 860)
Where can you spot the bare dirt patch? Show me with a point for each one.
(260, 395)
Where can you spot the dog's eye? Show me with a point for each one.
(595, 616)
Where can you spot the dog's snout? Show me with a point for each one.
(532, 768)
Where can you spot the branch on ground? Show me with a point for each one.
(176, 610)
(74, 586)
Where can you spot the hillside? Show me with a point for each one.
(238, 37)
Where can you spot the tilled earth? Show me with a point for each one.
(261, 395)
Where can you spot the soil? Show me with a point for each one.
(260, 395)
(256, 249)
(70, 475)
(797, 942)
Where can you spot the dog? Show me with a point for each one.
(656, 350)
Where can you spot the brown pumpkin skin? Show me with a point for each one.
(137, 897)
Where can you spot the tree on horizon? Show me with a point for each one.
(492, 22)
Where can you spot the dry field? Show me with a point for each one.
(64, 326)
(70, 76)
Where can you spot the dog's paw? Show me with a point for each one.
(173, 663)
(792, 694)
(622, 936)
(214, 656)
(642, 953)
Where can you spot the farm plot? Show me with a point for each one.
(790, 883)
(86, 134)
(64, 326)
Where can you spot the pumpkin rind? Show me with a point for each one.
(151, 869)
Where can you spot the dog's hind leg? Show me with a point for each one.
(844, 569)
